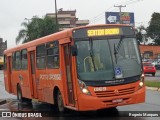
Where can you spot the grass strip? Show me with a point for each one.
(152, 84)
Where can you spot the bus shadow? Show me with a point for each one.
(49, 110)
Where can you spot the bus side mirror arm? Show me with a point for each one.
(74, 50)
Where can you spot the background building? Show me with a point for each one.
(3, 46)
(150, 51)
(68, 19)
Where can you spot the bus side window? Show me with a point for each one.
(17, 62)
(13, 61)
(41, 56)
(24, 59)
(53, 54)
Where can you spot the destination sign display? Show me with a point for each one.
(102, 32)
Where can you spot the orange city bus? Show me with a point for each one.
(84, 68)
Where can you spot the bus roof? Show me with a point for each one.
(101, 25)
(48, 38)
(55, 36)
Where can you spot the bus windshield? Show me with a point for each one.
(126, 57)
(97, 60)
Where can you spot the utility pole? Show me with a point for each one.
(120, 11)
(56, 15)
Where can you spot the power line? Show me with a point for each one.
(101, 15)
(130, 2)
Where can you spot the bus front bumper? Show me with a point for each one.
(87, 102)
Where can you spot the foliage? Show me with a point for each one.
(153, 29)
(36, 28)
(152, 84)
(139, 35)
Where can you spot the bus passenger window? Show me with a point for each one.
(52, 55)
(24, 60)
(41, 56)
(13, 60)
(17, 62)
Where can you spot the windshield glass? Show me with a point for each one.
(126, 57)
(94, 60)
(101, 59)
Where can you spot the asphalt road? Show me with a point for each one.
(149, 77)
(152, 105)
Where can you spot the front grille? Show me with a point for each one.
(117, 92)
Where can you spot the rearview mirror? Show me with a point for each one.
(74, 50)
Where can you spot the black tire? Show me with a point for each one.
(60, 104)
(19, 96)
(153, 74)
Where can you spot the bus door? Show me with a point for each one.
(68, 68)
(9, 74)
(33, 73)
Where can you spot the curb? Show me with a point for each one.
(2, 102)
(153, 88)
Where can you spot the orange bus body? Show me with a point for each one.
(44, 84)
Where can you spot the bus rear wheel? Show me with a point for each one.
(60, 104)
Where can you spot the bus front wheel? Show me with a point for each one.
(60, 104)
(19, 96)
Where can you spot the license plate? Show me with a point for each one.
(117, 101)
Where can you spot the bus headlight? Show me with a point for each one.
(141, 83)
(83, 87)
(84, 90)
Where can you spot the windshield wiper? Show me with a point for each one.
(92, 53)
(119, 44)
(115, 53)
(116, 49)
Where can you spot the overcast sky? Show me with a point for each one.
(13, 12)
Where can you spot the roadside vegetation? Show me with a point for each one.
(36, 28)
(152, 84)
(152, 31)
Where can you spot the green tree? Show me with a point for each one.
(153, 29)
(36, 28)
(141, 34)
